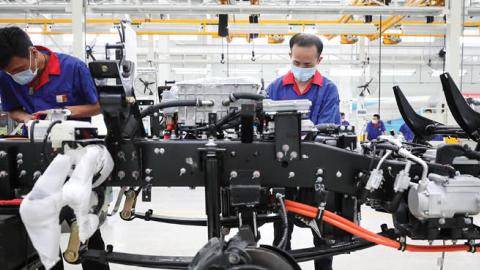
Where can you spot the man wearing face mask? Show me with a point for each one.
(35, 79)
(375, 128)
(304, 81)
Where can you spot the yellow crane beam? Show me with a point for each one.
(395, 19)
(200, 21)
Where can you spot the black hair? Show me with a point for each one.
(342, 114)
(13, 42)
(307, 40)
(377, 115)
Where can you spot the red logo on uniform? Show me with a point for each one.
(62, 98)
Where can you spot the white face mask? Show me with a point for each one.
(303, 74)
(26, 76)
(374, 121)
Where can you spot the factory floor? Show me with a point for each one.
(147, 237)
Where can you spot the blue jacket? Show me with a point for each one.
(65, 81)
(321, 92)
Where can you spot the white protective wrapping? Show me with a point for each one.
(41, 207)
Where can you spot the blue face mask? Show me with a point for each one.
(26, 76)
(303, 74)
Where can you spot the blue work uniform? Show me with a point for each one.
(345, 123)
(375, 130)
(321, 92)
(65, 81)
(407, 132)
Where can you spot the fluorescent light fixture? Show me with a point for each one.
(345, 72)
(345, 29)
(168, 27)
(398, 72)
(407, 39)
(310, 30)
(259, 28)
(34, 29)
(394, 31)
(424, 29)
(188, 71)
(90, 28)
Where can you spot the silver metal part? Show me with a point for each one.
(402, 181)
(444, 197)
(274, 106)
(212, 91)
(375, 180)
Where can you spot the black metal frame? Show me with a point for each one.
(284, 161)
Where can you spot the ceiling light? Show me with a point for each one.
(259, 28)
(346, 29)
(34, 29)
(424, 29)
(168, 27)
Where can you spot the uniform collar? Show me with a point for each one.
(52, 68)
(289, 79)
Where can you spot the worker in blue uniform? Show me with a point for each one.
(344, 121)
(34, 79)
(304, 81)
(406, 132)
(375, 128)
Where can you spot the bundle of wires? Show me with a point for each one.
(350, 227)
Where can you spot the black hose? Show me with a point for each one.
(283, 214)
(241, 95)
(45, 139)
(395, 202)
(308, 254)
(175, 103)
(231, 115)
(387, 146)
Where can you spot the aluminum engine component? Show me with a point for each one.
(444, 197)
(216, 89)
(274, 106)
